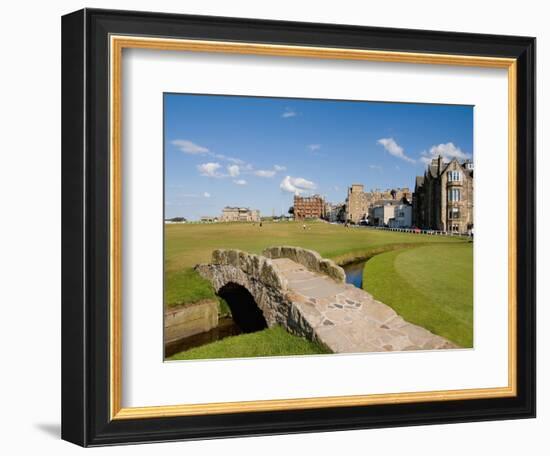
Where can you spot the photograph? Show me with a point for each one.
(298, 226)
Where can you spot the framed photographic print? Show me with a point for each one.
(278, 227)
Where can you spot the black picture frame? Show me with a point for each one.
(85, 228)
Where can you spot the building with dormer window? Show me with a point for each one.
(443, 198)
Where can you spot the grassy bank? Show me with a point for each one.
(431, 286)
(186, 286)
(269, 342)
(189, 244)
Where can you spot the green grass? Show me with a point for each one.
(269, 342)
(187, 286)
(189, 244)
(431, 286)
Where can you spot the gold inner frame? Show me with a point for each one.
(117, 44)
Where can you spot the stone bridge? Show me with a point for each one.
(307, 294)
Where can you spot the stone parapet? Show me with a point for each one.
(257, 266)
(309, 259)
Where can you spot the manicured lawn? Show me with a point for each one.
(269, 342)
(431, 286)
(186, 286)
(189, 244)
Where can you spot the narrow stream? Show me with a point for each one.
(354, 273)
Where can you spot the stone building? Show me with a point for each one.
(444, 197)
(240, 214)
(357, 205)
(359, 202)
(309, 207)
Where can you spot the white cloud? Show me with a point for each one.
(447, 151)
(192, 148)
(297, 185)
(189, 147)
(377, 167)
(279, 168)
(238, 161)
(394, 149)
(210, 169)
(289, 113)
(314, 147)
(265, 173)
(233, 170)
(206, 195)
(239, 182)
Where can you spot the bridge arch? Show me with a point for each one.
(307, 294)
(246, 313)
(248, 281)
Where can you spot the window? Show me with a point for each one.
(453, 176)
(454, 213)
(454, 194)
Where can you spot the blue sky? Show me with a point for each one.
(259, 152)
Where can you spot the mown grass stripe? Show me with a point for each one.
(431, 286)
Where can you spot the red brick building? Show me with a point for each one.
(306, 207)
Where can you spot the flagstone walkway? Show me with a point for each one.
(347, 319)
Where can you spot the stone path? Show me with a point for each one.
(350, 320)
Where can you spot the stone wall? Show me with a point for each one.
(308, 258)
(186, 321)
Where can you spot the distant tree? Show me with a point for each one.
(291, 210)
(178, 219)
